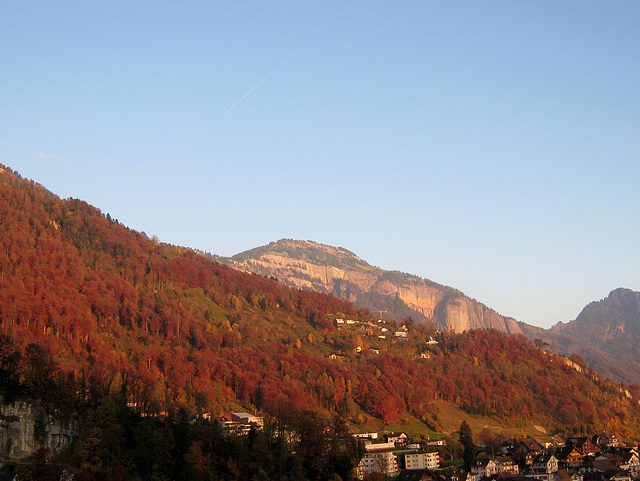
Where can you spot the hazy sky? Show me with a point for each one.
(490, 146)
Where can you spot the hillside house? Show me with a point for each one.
(630, 461)
(483, 467)
(506, 465)
(545, 463)
(606, 440)
(584, 445)
(626, 460)
(400, 439)
(436, 442)
(569, 457)
(526, 449)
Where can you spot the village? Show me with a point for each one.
(380, 332)
(394, 455)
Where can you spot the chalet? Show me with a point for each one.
(526, 450)
(569, 457)
(574, 476)
(606, 440)
(400, 439)
(545, 463)
(630, 461)
(507, 465)
(624, 460)
(484, 467)
(584, 445)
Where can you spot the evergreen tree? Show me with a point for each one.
(466, 439)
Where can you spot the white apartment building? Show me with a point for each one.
(380, 462)
(421, 460)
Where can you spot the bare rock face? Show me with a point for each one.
(334, 270)
(26, 426)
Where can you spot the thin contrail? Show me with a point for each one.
(300, 47)
(257, 85)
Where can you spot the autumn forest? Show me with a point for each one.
(131, 334)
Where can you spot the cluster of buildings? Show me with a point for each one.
(379, 329)
(393, 452)
(585, 458)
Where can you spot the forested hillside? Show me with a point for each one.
(114, 311)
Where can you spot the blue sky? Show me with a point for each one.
(490, 146)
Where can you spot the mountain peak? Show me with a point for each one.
(338, 271)
(606, 333)
(620, 309)
(306, 250)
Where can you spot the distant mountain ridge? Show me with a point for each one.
(606, 334)
(337, 271)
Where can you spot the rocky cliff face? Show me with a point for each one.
(308, 265)
(24, 427)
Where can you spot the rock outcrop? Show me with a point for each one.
(309, 265)
(24, 427)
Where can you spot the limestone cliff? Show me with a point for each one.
(309, 265)
(25, 426)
